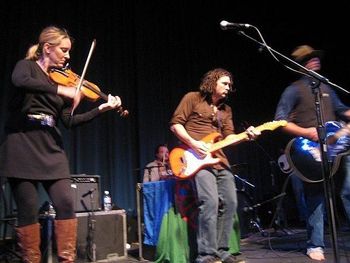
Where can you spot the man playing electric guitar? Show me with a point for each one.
(297, 106)
(199, 114)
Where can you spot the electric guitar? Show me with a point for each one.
(185, 162)
(304, 155)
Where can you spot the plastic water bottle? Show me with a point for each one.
(107, 201)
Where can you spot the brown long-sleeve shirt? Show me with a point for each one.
(197, 116)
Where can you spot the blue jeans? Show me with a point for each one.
(345, 189)
(217, 200)
(298, 189)
(315, 201)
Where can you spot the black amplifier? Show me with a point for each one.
(86, 192)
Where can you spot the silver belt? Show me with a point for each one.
(43, 119)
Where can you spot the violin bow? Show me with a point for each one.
(93, 45)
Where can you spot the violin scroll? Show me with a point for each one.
(122, 112)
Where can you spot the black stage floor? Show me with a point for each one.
(273, 246)
(288, 245)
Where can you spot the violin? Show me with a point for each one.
(66, 77)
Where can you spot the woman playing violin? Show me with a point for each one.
(32, 151)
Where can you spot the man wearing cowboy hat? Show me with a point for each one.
(297, 106)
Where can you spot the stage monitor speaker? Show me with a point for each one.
(86, 192)
(108, 235)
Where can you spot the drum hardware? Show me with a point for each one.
(236, 168)
(278, 211)
(244, 181)
(248, 219)
(254, 220)
(248, 215)
(278, 214)
(255, 225)
(269, 200)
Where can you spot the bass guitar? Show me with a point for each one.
(304, 156)
(185, 162)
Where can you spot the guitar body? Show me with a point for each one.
(304, 155)
(185, 162)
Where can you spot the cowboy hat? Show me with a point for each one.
(303, 53)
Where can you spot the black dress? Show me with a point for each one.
(31, 150)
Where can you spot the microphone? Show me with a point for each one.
(89, 192)
(227, 25)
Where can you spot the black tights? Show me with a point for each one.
(25, 193)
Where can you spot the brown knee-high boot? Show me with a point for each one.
(66, 239)
(29, 242)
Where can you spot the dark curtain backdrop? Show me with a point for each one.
(151, 53)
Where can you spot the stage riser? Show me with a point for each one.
(110, 235)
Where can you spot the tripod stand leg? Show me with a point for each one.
(255, 225)
(278, 209)
(8, 255)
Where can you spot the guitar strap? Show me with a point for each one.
(219, 117)
(219, 120)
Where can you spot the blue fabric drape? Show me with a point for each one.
(158, 198)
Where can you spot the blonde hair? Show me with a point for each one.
(52, 35)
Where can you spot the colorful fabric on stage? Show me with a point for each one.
(170, 212)
(158, 198)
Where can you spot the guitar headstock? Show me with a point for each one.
(272, 125)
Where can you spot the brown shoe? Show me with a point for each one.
(233, 259)
(208, 259)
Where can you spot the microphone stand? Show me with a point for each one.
(91, 246)
(329, 195)
(149, 170)
(244, 181)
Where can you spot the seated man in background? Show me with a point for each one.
(159, 168)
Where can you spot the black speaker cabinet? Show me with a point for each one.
(107, 235)
(86, 192)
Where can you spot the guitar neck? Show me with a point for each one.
(233, 139)
(243, 136)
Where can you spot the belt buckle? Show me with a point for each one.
(47, 120)
(43, 119)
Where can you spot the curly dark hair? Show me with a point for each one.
(210, 78)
